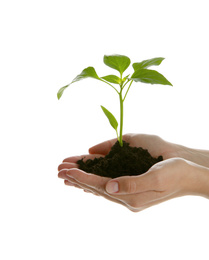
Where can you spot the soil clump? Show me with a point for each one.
(120, 161)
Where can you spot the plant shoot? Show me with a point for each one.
(121, 63)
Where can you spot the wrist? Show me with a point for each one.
(198, 180)
(197, 156)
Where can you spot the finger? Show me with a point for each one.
(93, 183)
(73, 183)
(89, 191)
(69, 183)
(133, 184)
(74, 159)
(89, 179)
(85, 188)
(79, 181)
(105, 147)
(67, 166)
(62, 174)
(68, 180)
(134, 202)
(102, 148)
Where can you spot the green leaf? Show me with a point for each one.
(86, 73)
(149, 76)
(112, 79)
(61, 90)
(125, 78)
(117, 62)
(111, 118)
(147, 63)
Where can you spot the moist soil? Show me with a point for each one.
(120, 161)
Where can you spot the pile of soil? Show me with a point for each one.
(120, 161)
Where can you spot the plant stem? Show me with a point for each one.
(117, 135)
(121, 118)
(127, 90)
(110, 85)
(125, 83)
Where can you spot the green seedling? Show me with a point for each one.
(121, 63)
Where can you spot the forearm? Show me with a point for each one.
(197, 156)
(198, 171)
(198, 180)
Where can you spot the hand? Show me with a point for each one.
(165, 180)
(157, 146)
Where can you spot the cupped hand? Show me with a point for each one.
(75, 177)
(155, 145)
(163, 181)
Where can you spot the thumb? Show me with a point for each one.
(102, 148)
(129, 184)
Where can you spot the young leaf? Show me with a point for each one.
(112, 79)
(61, 90)
(147, 63)
(86, 73)
(117, 62)
(125, 78)
(111, 118)
(149, 76)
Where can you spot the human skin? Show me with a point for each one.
(184, 171)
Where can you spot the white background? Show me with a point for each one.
(44, 45)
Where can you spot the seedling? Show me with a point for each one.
(121, 63)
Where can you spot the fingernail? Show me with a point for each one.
(112, 187)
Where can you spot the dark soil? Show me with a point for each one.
(121, 161)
